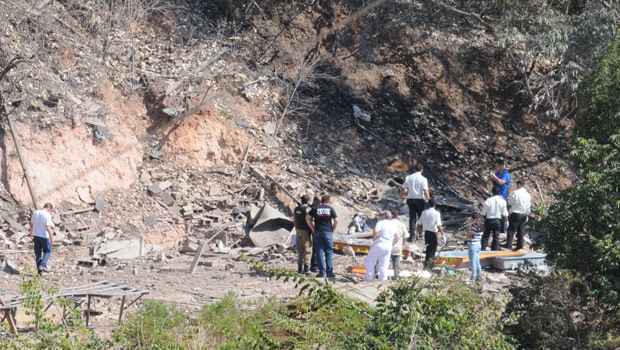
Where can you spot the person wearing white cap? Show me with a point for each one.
(385, 233)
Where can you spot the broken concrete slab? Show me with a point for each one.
(271, 228)
(167, 199)
(124, 249)
(100, 204)
(10, 268)
(14, 226)
(514, 262)
(189, 246)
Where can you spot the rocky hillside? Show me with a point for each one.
(107, 101)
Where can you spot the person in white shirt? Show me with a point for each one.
(520, 204)
(41, 227)
(495, 211)
(430, 224)
(397, 247)
(385, 233)
(417, 191)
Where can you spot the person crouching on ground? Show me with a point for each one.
(323, 225)
(385, 233)
(41, 228)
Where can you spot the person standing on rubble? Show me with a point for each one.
(397, 248)
(384, 234)
(41, 228)
(520, 204)
(501, 178)
(474, 247)
(302, 229)
(314, 261)
(495, 212)
(430, 223)
(322, 227)
(417, 191)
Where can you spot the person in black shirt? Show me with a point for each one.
(324, 222)
(314, 262)
(301, 218)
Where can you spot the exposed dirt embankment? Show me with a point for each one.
(205, 139)
(69, 163)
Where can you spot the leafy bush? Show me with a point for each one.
(583, 226)
(599, 116)
(68, 335)
(558, 312)
(156, 326)
(440, 314)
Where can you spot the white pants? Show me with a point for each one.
(379, 257)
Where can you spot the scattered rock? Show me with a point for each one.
(10, 268)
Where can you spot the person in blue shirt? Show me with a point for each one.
(501, 178)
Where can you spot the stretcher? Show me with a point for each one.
(362, 246)
(460, 258)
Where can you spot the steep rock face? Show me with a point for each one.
(65, 164)
(205, 139)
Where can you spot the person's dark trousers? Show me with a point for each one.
(314, 260)
(491, 227)
(516, 223)
(326, 251)
(42, 252)
(430, 240)
(396, 265)
(416, 207)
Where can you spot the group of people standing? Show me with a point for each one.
(506, 209)
(315, 224)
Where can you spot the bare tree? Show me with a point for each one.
(296, 103)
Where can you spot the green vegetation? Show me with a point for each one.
(558, 312)
(583, 226)
(68, 335)
(438, 314)
(581, 309)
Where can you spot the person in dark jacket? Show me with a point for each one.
(302, 229)
(314, 261)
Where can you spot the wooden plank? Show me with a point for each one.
(192, 268)
(120, 314)
(88, 311)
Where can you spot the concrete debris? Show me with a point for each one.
(92, 261)
(100, 203)
(85, 194)
(10, 268)
(360, 114)
(125, 249)
(271, 227)
(219, 247)
(189, 246)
